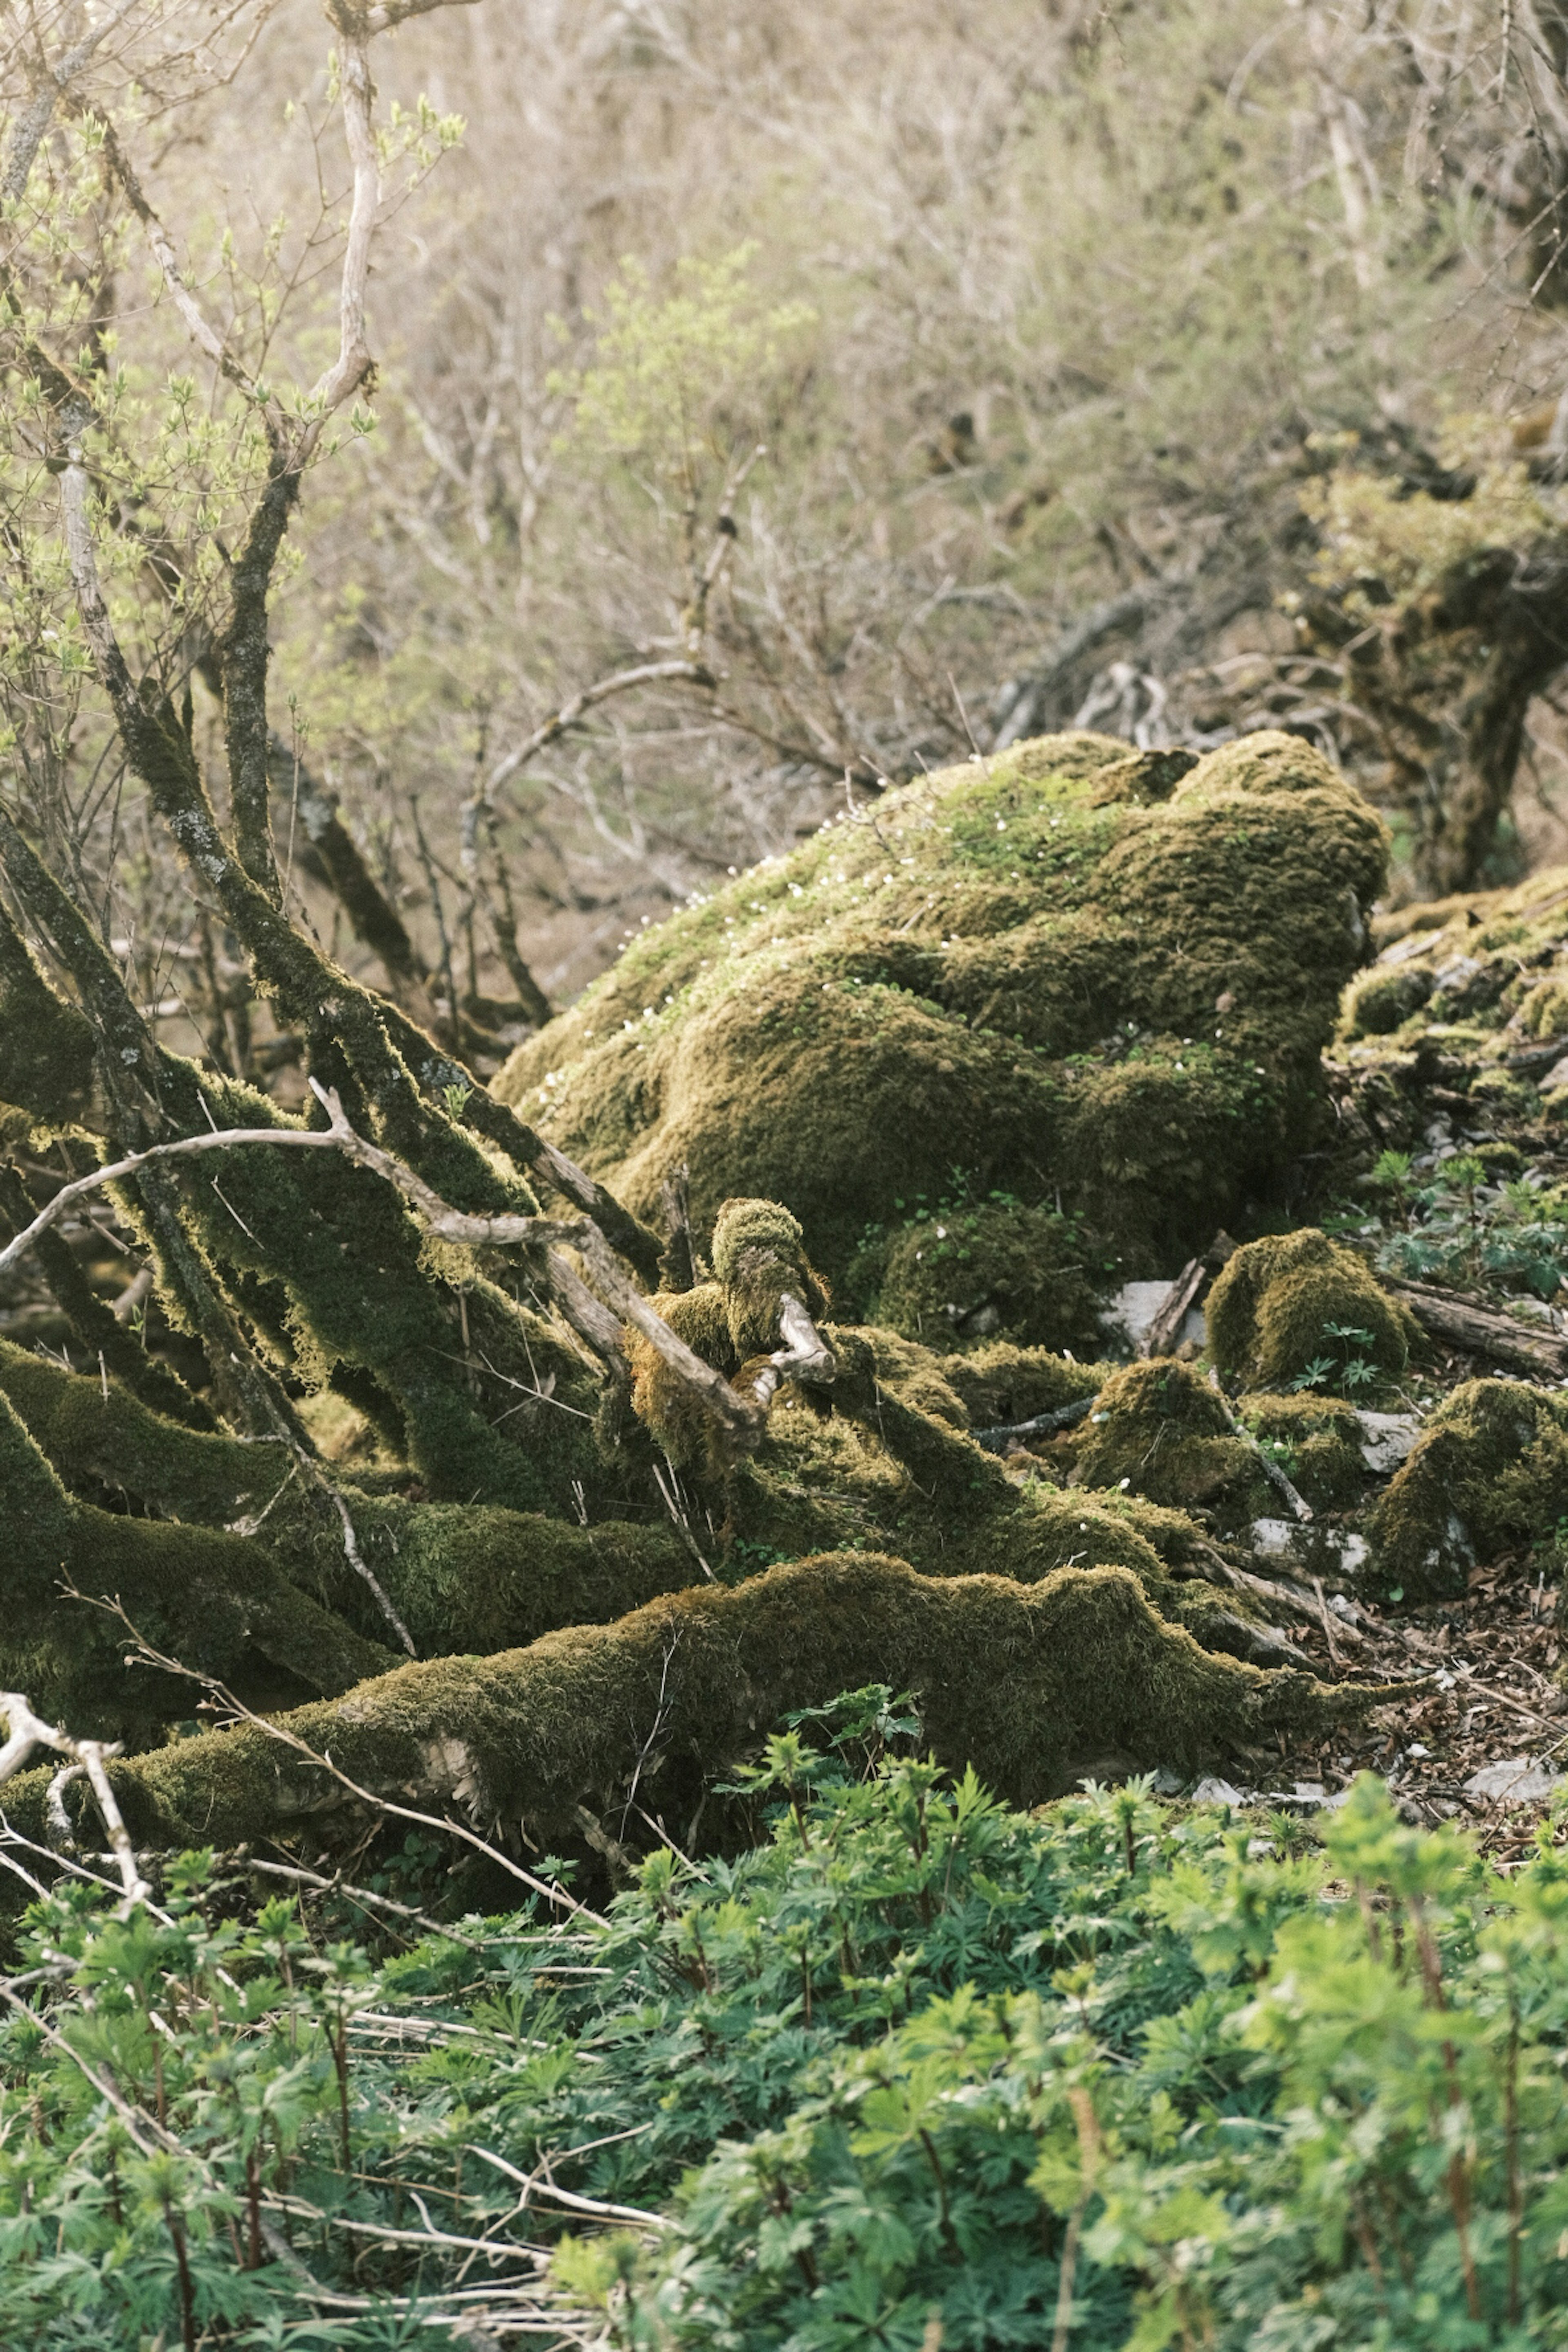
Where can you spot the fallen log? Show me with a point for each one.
(1480, 1330)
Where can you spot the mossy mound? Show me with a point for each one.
(1491, 961)
(1160, 1429)
(1029, 1683)
(1317, 1441)
(1001, 1384)
(1068, 970)
(1489, 1474)
(1288, 1302)
(1032, 1277)
(919, 1376)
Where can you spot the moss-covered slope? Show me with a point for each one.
(1075, 974)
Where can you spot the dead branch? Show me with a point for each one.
(1162, 1334)
(1043, 1424)
(1480, 1330)
(624, 681)
(1295, 1502)
(28, 1732)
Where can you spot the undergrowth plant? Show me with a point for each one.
(1466, 1224)
(911, 2069)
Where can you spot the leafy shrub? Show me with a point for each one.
(1118, 2073)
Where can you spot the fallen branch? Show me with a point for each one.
(1480, 1330)
(1043, 1424)
(1283, 1594)
(1295, 1502)
(1162, 1334)
(28, 1732)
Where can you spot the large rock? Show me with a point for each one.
(1094, 980)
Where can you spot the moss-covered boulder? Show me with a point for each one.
(1317, 1441)
(949, 1278)
(1002, 1384)
(1160, 1430)
(1292, 1301)
(1072, 973)
(1489, 1474)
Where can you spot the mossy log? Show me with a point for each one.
(1032, 1685)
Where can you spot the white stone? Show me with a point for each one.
(1133, 1309)
(1387, 1439)
(1557, 1075)
(1318, 1550)
(1512, 1780)
(1211, 1792)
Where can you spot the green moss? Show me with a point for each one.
(1317, 1441)
(1031, 1275)
(919, 1375)
(1159, 1427)
(1275, 1305)
(1489, 1474)
(1488, 970)
(47, 1046)
(758, 1254)
(210, 1597)
(1029, 1682)
(1014, 973)
(1381, 1001)
(104, 1441)
(1001, 1384)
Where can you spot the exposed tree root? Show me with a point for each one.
(1031, 1683)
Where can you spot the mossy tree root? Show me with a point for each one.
(221, 1600)
(1030, 1683)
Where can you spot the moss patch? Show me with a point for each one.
(1489, 1474)
(1032, 1277)
(1159, 1427)
(1013, 972)
(1279, 1303)
(1317, 1441)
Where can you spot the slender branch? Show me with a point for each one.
(28, 1731)
(353, 362)
(623, 681)
(199, 326)
(52, 83)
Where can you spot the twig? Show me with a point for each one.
(678, 1518)
(1063, 1416)
(1323, 1613)
(341, 1886)
(533, 2187)
(28, 1731)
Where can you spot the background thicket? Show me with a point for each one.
(1046, 319)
